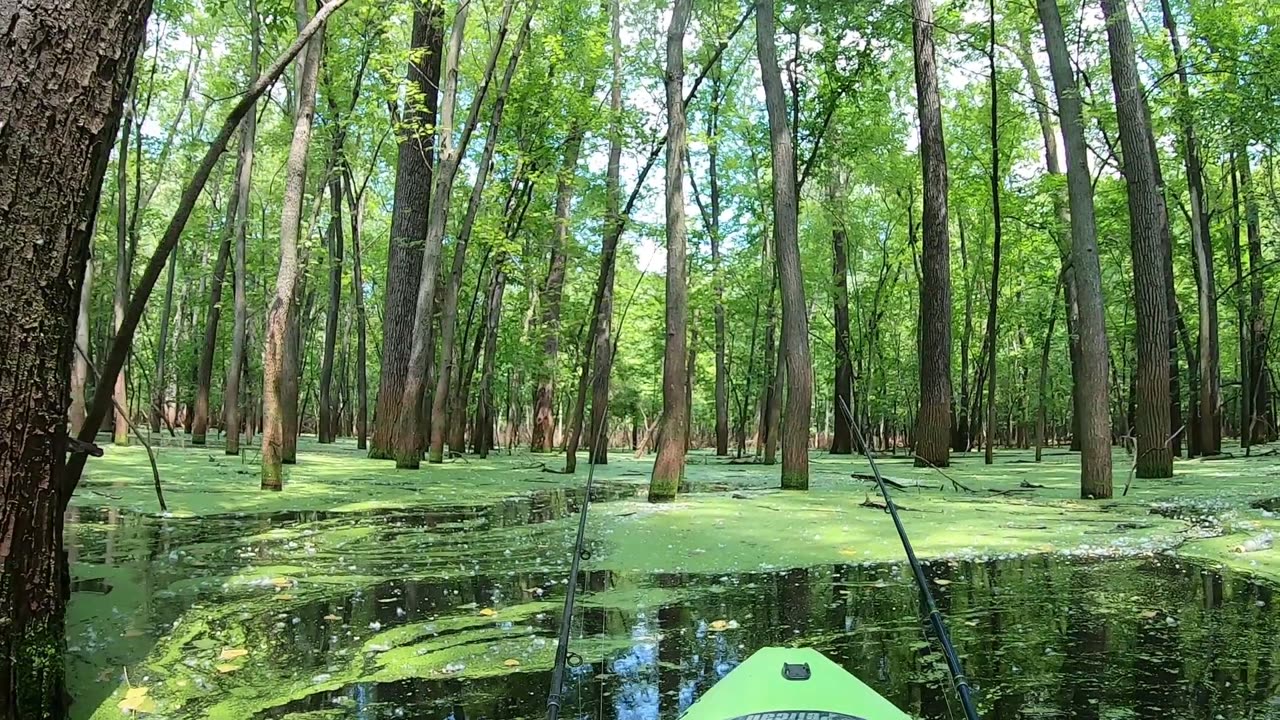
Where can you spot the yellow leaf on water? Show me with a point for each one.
(488, 612)
(136, 700)
(331, 618)
(942, 582)
(850, 552)
(281, 582)
(226, 668)
(1148, 614)
(511, 663)
(718, 625)
(284, 596)
(232, 653)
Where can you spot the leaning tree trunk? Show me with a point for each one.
(842, 438)
(1091, 404)
(668, 468)
(231, 396)
(204, 370)
(1155, 458)
(933, 423)
(68, 67)
(282, 314)
(408, 218)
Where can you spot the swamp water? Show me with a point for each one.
(451, 614)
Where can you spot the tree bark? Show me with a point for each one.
(327, 430)
(231, 397)
(277, 435)
(1155, 457)
(204, 370)
(68, 67)
(668, 468)
(482, 437)
(80, 362)
(544, 420)
(1260, 428)
(357, 290)
(992, 328)
(166, 312)
(1090, 399)
(1043, 382)
(414, 175)
(124, 274)
(722, 367)
(933, 422)
(449, 311)
(1242, 312)
(842, 438)
(1208, 359)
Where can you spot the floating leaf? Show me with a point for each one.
(232, 653)
(331, 618)
(225, 668)
(488, 612)
(942, 582)
(1148, 614)
(719, 625)
(511, 663)
(284, 596)
(282, 582)
(136, 700)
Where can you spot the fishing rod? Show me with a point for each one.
(926, 596)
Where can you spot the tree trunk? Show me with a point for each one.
(544, 421)
(722, 368)
(1043, 383)
(482, 437)
(69, 66)
(449, 306)
(992, 328)
(204, 370)
(357, 290)
(166, 312)
(279, 373)
(80, 359)
(414, 174)
(1242, 313)
(1208, 360)
(1092, 412)
(933, 423)
(1155, 458)
(960, 441)
(124, 273)
(1259, 427)
(231, 397)
(842, 438)
(668, 468)
(327, 430)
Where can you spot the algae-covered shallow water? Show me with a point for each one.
(450, 612)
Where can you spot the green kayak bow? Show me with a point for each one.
(791, 684)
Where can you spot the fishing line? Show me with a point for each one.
(565, 658)
(926, 596)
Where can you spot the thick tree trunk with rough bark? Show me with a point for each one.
(68, 66)
(668, 468)
(842, 438)
(409, 218)
(1155, 457)
(1091, 401)
(204, 369)
(277, 435)
(933, 422)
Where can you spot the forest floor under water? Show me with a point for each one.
(365, 592)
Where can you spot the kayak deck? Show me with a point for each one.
(791, 684)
